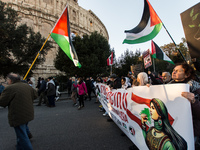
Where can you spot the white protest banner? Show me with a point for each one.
(134, 111)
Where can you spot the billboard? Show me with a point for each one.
(191, 25)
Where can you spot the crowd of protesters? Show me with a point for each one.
(182, 73)
(80, 89)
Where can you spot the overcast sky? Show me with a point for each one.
(118, 15)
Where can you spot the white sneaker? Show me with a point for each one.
(75, 104)
(105, 114)
(57, 98)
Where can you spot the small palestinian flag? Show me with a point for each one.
(147, 29)
(61, 34)
(157, 52)
(110, 59)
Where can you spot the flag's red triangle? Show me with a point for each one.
(154, 17)
(61, 26)
(153, 49)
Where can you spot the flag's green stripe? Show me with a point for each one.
(154, 56)
(170, 62)
(79, 65)
(147, 37)
(63, 43)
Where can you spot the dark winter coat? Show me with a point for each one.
(51, 90)
(42, 87)
(88, 85)
(19, 99)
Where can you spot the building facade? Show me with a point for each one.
(41, 15)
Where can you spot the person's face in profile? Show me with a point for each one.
(153, 112)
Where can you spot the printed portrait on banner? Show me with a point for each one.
(161, 135)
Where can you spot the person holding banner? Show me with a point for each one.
(142, 79)
(161, 136)
(184, 73)
(124, 83)
(166, 77)
(155, 80)
(115, 82)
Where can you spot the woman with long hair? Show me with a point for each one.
(161, 136)
(142, 79)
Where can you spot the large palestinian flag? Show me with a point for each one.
(157, 52)
(61, 34)
(148, 27)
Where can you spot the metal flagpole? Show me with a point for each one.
(36, 57)
(171, 38)
(174, 42)
(110, 69)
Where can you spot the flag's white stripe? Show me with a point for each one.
(72, 55)
(165, 57)
(147, 30)
(109, 60)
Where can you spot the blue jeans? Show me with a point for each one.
(23, 142)
(27, 129)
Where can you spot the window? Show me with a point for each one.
(91, 24)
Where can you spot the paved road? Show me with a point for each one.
(66, 128)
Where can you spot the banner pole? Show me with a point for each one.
(36, 57)
(110, 69)
(154, 65)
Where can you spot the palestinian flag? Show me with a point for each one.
(110, 59)
(157, 52)
(61, 34)
(148, 27)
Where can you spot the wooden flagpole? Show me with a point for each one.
(43, 45)
(36, 57)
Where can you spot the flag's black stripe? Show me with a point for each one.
(70, 40)
(159, 53)
(143, 22)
